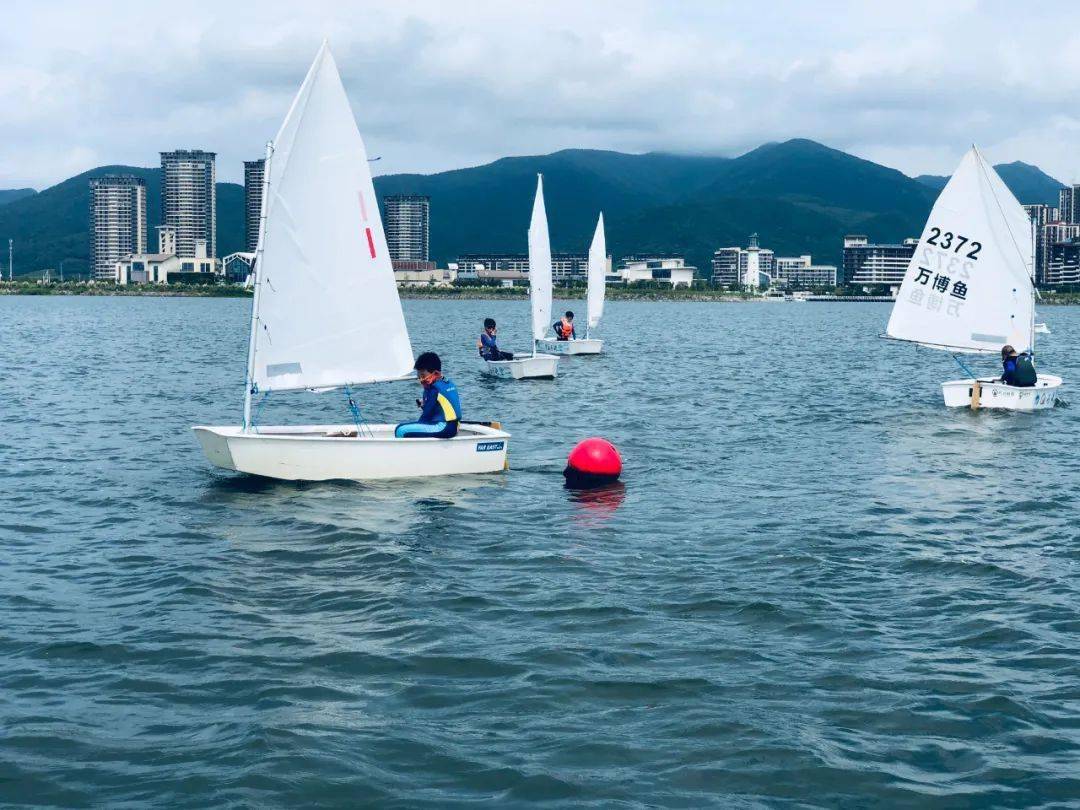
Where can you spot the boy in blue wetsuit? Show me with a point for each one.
(488, 346)
(440, 409)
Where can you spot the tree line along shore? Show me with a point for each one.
(632, 292)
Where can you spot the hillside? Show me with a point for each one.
(8, 195)
(53, 225)
(1029, 183)
(799, 196)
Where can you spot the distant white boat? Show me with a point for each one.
(1041, 328)
(969, 286)
(535, 365)
(326, 313)
(597, 281)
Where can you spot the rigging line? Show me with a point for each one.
(355, 410)
(963, 366)
(258, 408)
(1023, 260)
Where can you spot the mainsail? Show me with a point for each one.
(597, 274)
(326, 310)
(539, 265)
(969, 286)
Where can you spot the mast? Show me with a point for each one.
(257, 285)
(1034, 289)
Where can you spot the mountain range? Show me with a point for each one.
(799, 196)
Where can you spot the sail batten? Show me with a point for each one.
(539, 264)
(328, 312)
(968, 287)
(597, 274)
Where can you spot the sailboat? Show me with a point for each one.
(597, 280)
(326, 313)
(969, 286)
(535, 365)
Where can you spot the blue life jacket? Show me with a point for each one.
(1019, 371)
(440, 403)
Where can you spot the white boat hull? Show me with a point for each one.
(581, 346)
(334, 452)
(996, 394)
(529, 367)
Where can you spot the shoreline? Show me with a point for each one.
(450, 294)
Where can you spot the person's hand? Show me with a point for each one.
(419, 404)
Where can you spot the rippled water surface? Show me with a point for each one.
(817, 587)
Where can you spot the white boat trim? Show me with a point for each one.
(336, 452)
(577, 346)
(527, 367)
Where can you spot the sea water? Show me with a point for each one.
(816, 586)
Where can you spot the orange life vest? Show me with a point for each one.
(565, 328)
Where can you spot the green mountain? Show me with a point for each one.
(54, 225)
(799, 196)
(11, 194)
(1029, 183)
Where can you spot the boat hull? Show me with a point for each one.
(996, 395)
(329, 452)
(529, 367)
(582, 346)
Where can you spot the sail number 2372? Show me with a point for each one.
(955, 241)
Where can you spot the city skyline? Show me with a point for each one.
(437, 88)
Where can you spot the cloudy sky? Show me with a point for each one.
(438, 85)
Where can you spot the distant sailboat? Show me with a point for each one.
(534, 365)
(969, 287)
(597, 281)
(326, 312)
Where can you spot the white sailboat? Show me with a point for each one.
(969, 287)
(597, 281)
(326, 312)
(535, 365)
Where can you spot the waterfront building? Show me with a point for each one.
(564, 266)
(236, 267)
(254, 174)
(117, 222)
(800, 272)
(156, 268)
(671, 270)
(1063, 262)
(189, 199)
(872, 263)
(407, 218)
(423, 276)
(735, 265)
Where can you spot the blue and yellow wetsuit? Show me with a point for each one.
(441, 411)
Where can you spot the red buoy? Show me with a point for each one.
(593, 462)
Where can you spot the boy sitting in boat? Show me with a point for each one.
(440, 409)
(1018, 368)
(564, 327)
(488, 345)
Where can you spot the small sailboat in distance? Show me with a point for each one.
(969, 286)
(326, 312)
(597, 281)
(536, 365)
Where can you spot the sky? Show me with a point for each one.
(443, 85)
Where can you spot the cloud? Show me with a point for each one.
(439, 85)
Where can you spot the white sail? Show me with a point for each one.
(968, 287)
(597, 274)
(539, 265)
(326, 306)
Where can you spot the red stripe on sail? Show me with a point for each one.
(370, 242)
(363, 207)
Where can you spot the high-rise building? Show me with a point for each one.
(189, 199)
(117, 222)
(1069, 203)
(408, 218)
(735, 265)
(253, 188)
(867, 263)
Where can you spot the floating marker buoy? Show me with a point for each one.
(592, 463)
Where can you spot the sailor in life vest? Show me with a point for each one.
(1018, 368)
(564, 327)
(440, 409)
